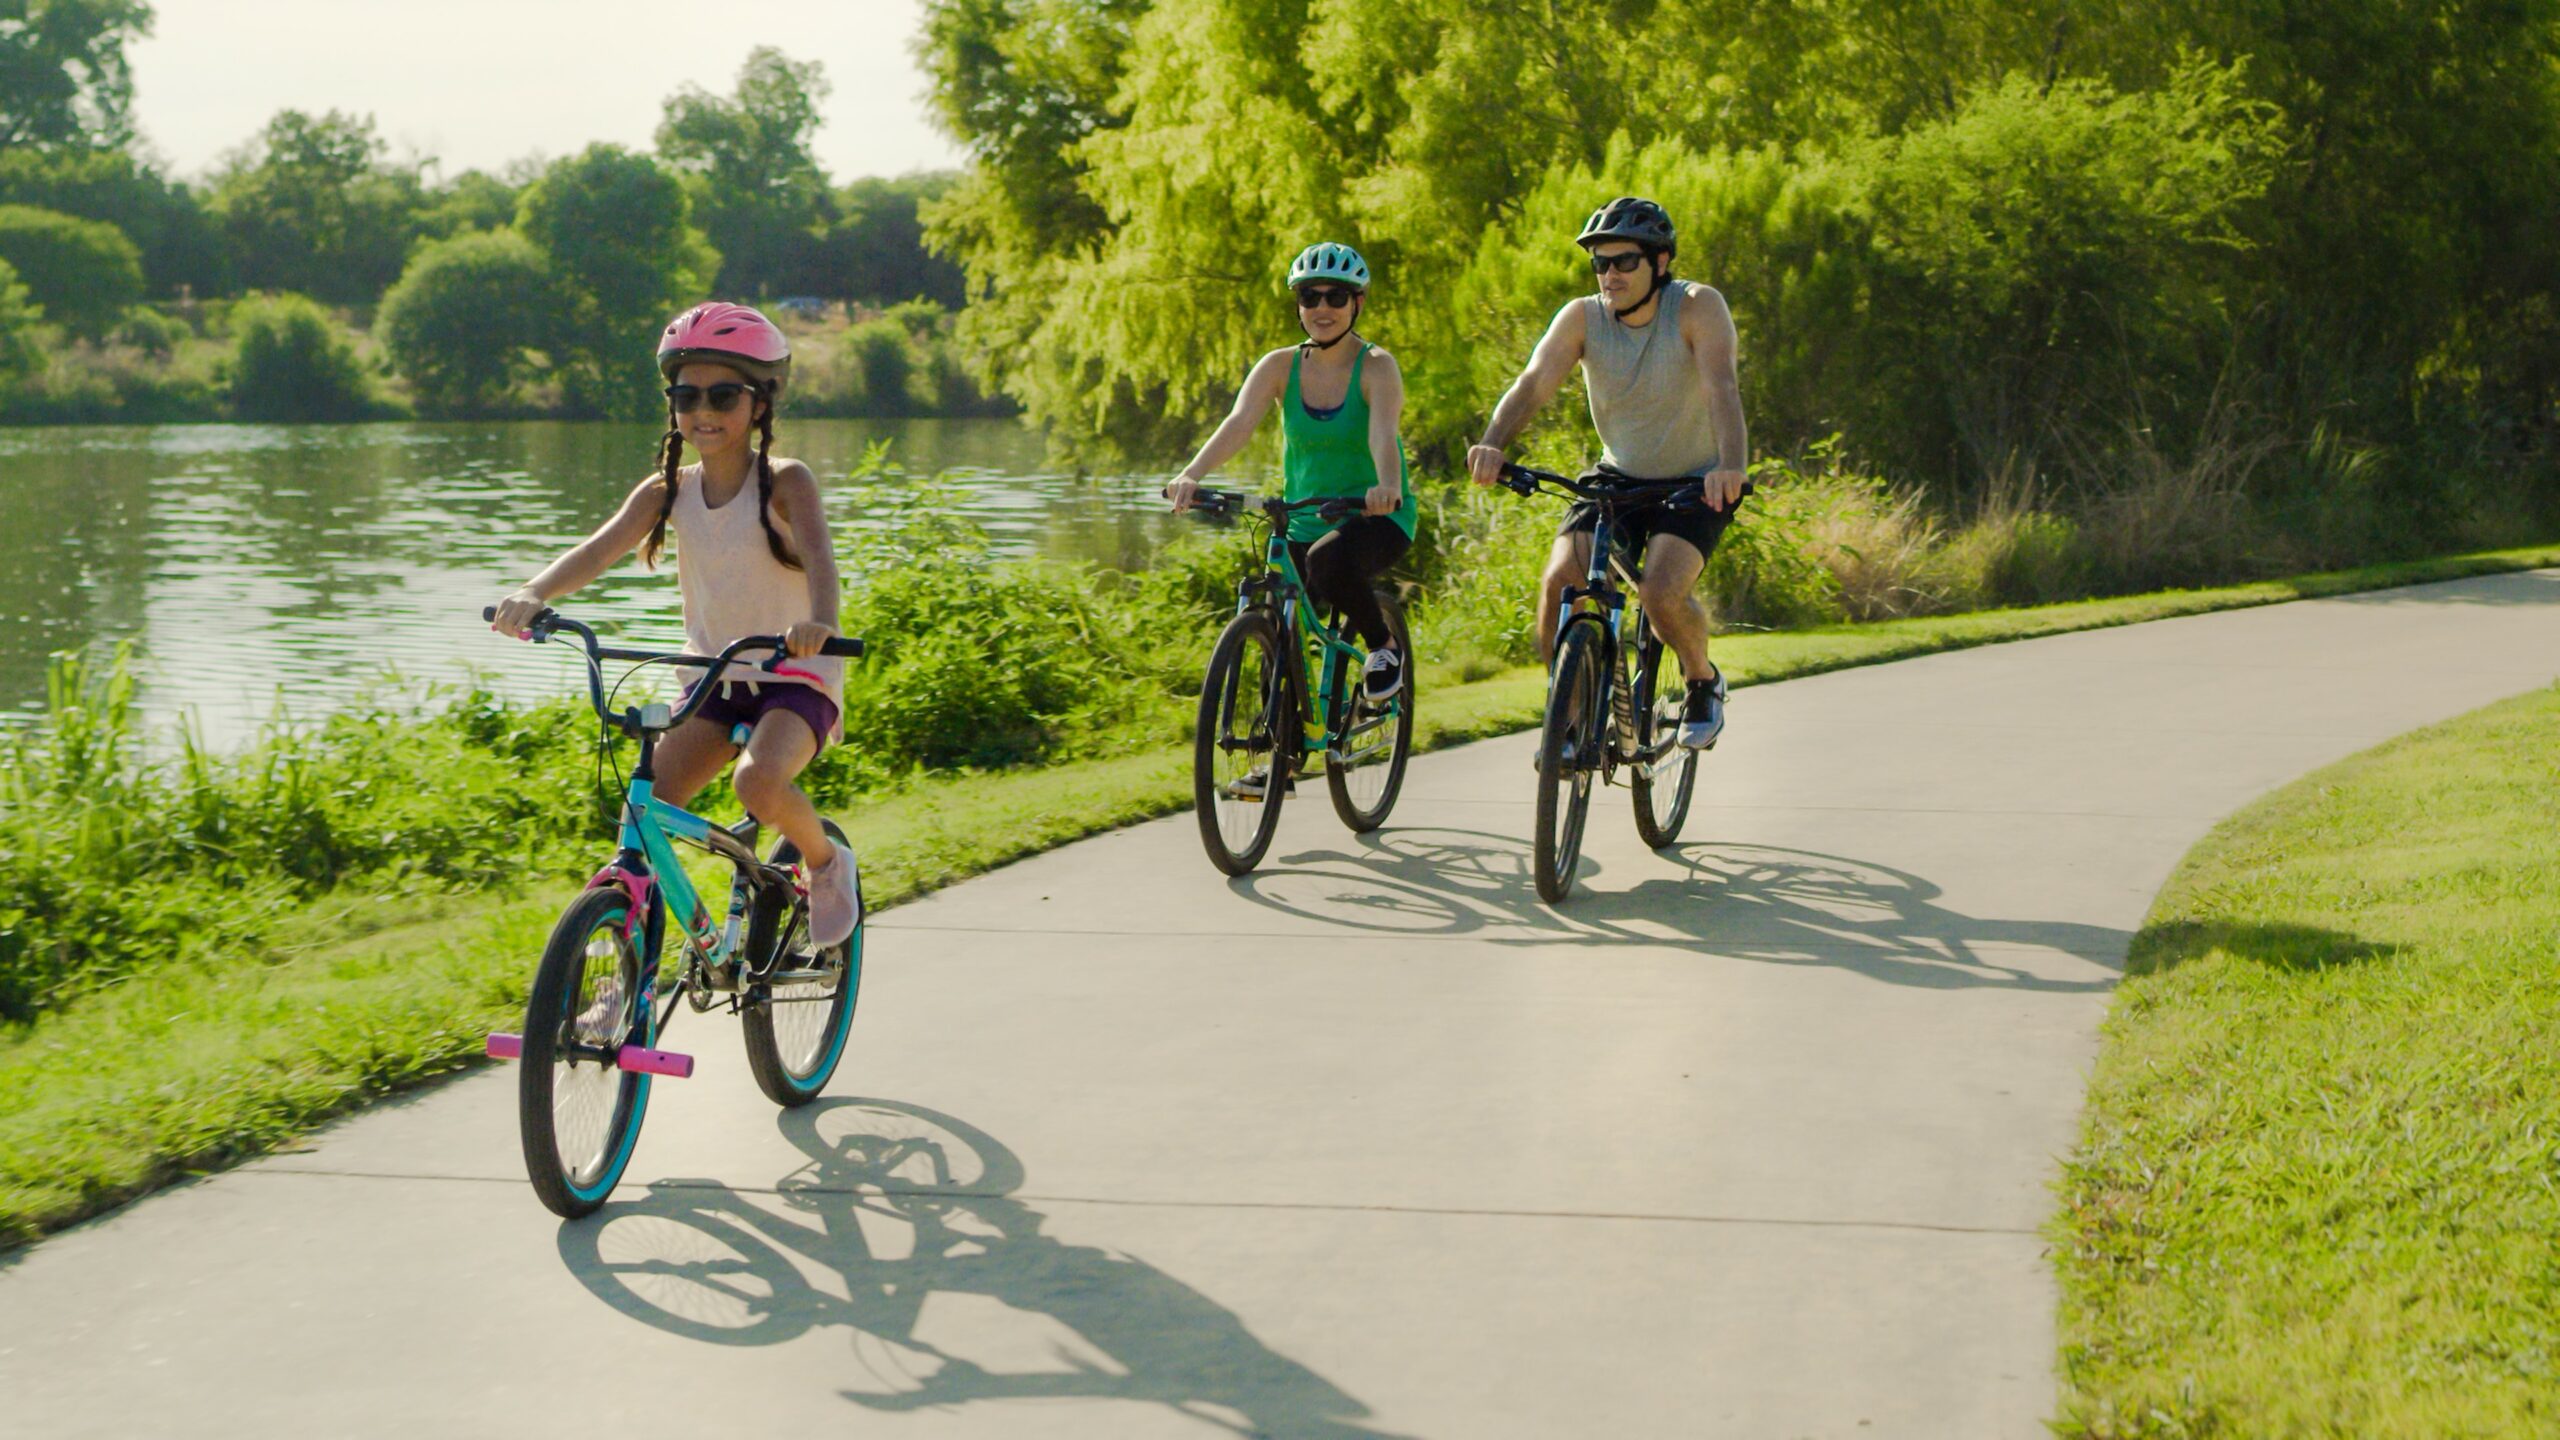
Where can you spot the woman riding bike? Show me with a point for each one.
(1339, 407)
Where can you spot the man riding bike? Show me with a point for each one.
(1657, 355)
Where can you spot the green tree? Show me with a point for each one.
(617, 230)
(472, 200)
(876, 252)
(295, 363)
(19, 355)
(84, 273)
(180, 243)
(63, 76)
(757, 186)
(312, 205)
(467, 318)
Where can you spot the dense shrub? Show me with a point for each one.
(85, 273)
(465, 320)
(293, 362)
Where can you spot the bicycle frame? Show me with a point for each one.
(1607, 584)
(1280, 588)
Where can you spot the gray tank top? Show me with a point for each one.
(1647, 400)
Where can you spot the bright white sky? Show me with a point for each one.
(476, 83)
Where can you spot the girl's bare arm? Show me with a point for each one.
(795, 496)
(590, 558)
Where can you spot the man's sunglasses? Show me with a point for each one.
(685, 399)
(1626, 262)
(1331, 297)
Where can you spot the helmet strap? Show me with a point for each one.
(1653, 287)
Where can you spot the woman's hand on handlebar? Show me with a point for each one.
(515, 614)
(1484, 463)
(1382, 499)
(1181, 491)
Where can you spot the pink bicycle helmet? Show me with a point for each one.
(720, 333)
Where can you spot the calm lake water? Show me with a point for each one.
(266, 565)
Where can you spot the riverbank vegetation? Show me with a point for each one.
(2218, 293)
(2314, 1190)
(125, 292)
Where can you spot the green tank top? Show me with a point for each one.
(1330, 457)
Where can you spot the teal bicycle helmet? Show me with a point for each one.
(1326, 260)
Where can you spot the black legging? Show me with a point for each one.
(1342, 570)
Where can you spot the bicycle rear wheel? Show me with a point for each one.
(579, 1115)
(1240, 751)
(1662, 786)
(799, 1003)
(1568, 757)
(1377, 741)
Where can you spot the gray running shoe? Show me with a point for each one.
(834, 901)
(1702, 714)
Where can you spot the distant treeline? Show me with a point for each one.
(315, 275)
(2262, 259)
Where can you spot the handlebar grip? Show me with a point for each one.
(490, 612)
(842, 645)
(1342, 509)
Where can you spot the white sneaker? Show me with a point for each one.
(834, 901)
(1384, 677)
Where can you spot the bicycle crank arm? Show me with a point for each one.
(502, 1046)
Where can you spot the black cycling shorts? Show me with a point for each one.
(1689, 519)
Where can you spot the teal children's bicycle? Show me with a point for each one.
(592, 1024)
(1263, 716)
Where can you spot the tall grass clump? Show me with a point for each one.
(124, 855)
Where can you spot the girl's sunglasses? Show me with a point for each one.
(1330, 297)
(723, 397)
(1625, 263)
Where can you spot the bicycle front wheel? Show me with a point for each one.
(1663, 781)
(800, 1001)
(1568, 757)
(1240, 754)
(578, 1113)
(1367, 770)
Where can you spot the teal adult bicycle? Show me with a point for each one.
(589, 1047)
(1282, 690)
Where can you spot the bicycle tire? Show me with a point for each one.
(1662, 802)
(1386, 773)
(1573, 725)
(573, 1174)
(1247, 667)
(796, 1040)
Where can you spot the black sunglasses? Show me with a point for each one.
(1331, 297)
(1625, 262)
(685, 399)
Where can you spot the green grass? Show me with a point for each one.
(204, 1061)
(2318, 1189)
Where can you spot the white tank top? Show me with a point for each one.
(733, 586)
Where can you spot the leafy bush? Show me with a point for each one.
(85, 273)
(19, 352)
(150, 332)
(466, 317)
(294, 363)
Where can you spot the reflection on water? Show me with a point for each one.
(265, 563)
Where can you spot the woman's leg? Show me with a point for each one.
(1343, 567)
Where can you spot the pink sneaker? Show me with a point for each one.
(833, 903)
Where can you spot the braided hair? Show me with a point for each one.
(671, 456)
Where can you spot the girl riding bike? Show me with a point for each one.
(1340, 405)
(752, 558)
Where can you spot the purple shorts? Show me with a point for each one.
(734, 705)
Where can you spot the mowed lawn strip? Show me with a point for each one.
(2318, 1189)
(181, 1071)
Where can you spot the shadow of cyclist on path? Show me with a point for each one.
(1750, 902)
(902, 1229)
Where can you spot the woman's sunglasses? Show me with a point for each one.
(723, 397)
(1331, 297)
(1625, 262)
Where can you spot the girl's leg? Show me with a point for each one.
(1342, 570)
(780, 749)
(690, 757)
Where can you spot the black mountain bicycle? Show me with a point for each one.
(1261, 717)
(1613, 704)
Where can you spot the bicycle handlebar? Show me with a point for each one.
(551, 622)
(1521, 480)
(1222, 503)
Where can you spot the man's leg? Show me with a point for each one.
(1567, 563)
(1671, 567)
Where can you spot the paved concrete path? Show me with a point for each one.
(1750, 1139)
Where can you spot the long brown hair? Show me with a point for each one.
(671, 458)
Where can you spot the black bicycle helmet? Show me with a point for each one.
(1628, 218)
